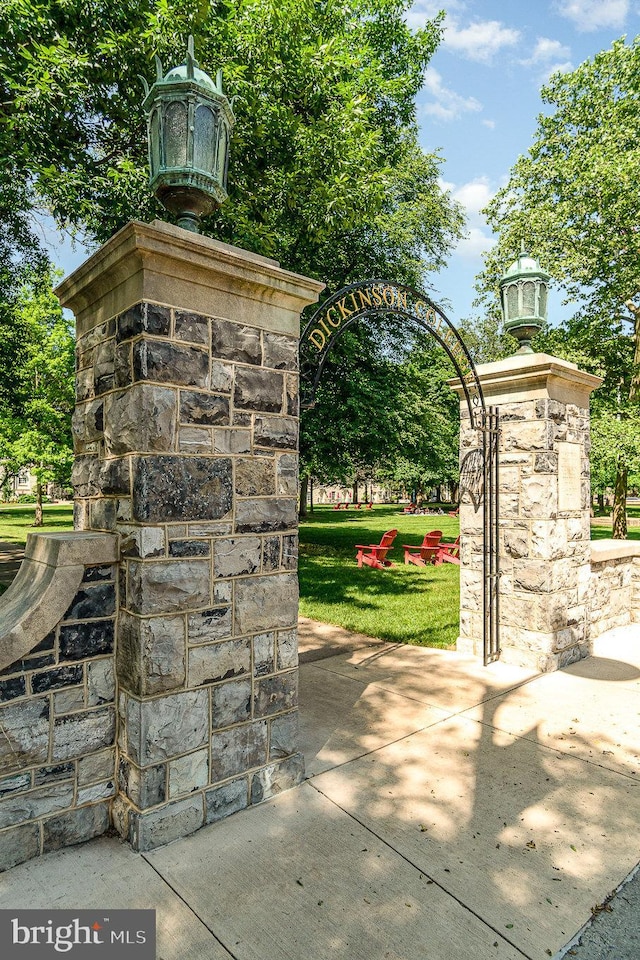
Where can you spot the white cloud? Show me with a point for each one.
(473, 196)
(588, 15)
(423, 10)
(549, 56)
(446, 104)
(480, 40)
(491, 124)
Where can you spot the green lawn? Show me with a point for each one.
(403, 604)
(16, 520)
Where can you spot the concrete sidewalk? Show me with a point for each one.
(451, 811)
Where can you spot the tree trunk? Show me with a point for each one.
(601, 501)
(620, 503)
(455, 491)
(310, 494)
(355, 490)
(37, 522)
(304, 486)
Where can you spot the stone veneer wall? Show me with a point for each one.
(186, 432)
(614, 589)
(57, 712)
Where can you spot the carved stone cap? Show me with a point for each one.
(160, 263)
(533, 376)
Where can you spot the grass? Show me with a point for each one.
(16, 520)
(403, 604)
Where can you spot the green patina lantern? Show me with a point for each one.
(523, 288)
(189, 127)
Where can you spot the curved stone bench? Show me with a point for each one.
(45, 586)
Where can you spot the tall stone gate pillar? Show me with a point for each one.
(544, 512)
(186, 431)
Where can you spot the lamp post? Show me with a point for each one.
(189, 122)
(523, 289)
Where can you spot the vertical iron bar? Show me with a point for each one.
(486, 558)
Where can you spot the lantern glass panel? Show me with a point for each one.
(204, 143)
(542, 297)
(223, 149)
(154, 139)
(529, 298)
(176, 135)
(512, 301)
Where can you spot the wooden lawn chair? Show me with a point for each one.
(375, 554)
(357, 506)
(448, 553)
(426, 552)
(369, 506)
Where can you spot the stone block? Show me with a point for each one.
(231, 441)
(114, 477)
(150, 318)
(122, 365)
(259, 390)
(189, 548)
(526, 435)
(275, 694)
(142, 418)
(103, 367)
(142, 542)
(101, 684)
(91, 638)
(271, 553)
(223, 591)
(97, 791)
(277, 777)
(223, 801)
(167, 727)
(165, 362)
(96, 766)
(19, 782)
(18, 807)
(171, 822)
(203, 408)
(144, 787)
(92, 602)
(208, 625)
(50, 774)
(255, 477)
(82, 733)
(67, 701)
(232, 341)
(103, 515)
(265, 515)
(287, 649)
(276, 433)
(280, 352)
(292, 395)
(221, 377)
(237, 556)
(25, 734)
(168, 489)
(151, 654)
(287, 475)
(235, 751)
(264, 654)
(173, 586)
(265, 603)
(290, 552)
(212, 663)
(191, 327)
(195, 440)
(56, 678)
(10, 689)
(188, 773)
(283, 736)
(230, 703)
(19, 844)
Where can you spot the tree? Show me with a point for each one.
(35, 412)
(574, 201)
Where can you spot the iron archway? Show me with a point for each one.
(479, 471)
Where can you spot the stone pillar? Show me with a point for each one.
(544, 512)
(186, 431)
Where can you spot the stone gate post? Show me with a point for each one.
(186, 432)
(544, 512)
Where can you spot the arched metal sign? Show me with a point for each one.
(380, 297)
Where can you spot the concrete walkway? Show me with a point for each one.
(451, 812)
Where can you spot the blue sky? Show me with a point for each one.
(479, 106)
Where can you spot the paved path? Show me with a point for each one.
(451, 811)
(11, 556)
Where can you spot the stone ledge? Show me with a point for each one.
(531, 377)
(45, 586)
(603, 550)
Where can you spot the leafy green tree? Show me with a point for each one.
(35, 412)
(574, 200)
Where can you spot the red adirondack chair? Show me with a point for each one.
(369, 505)
(375, 554)
(426, 552)
(448, 553)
